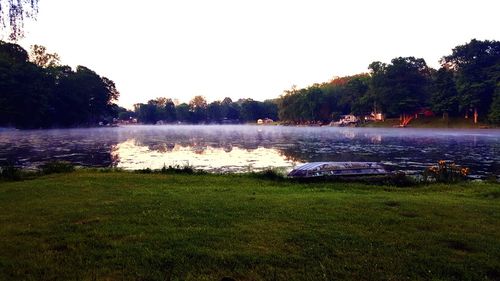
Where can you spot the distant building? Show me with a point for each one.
(375, 117)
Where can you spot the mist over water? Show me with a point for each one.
(241, 148)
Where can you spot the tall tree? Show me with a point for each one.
(183, 113)
(444, 95)
(400, 87)
(494, 114)
(476, 65)
(215, 111)
(198, 106)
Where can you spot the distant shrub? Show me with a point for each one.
(400, 179)
(178, 170)
(10, 173)
(268, 174)
(55, 167)
(144, 171)
(171, 170)
(445, 172)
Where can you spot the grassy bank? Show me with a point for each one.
(91, 225)
(433, 122)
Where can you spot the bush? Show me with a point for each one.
(171, 170)
(400, 179)
(268, 174)
(10, 173)
(178, 170)
(445, 172)
(55, 167)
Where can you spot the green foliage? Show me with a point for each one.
(268, 174)
(477, 68)
(324, 102)
(178, 170)
(48, 95)
(198, 111)
(444, 96)
(467, 80)
(10, 173)
(494, 113)
(400, 179)
(402, 86)
(172, 170)
(56, 167)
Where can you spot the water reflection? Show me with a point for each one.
(131, 154)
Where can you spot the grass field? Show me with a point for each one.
(433, 122)
(92, 225)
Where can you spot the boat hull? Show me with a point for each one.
(338, 169)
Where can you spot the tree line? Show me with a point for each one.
(467, 84)
(198, 110)
(37, 92)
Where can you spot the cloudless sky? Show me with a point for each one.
(249, 49)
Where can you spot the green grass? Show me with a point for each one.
(91, 225)
(432, 122)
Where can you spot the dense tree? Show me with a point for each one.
(444, 95)
(198, 111)
(147, 113)
(476, 65)
(402, 86)
(183, 113)
(13, 13)
(494, 114)
(41, 93)
(32, 96)
(324, 102)
(215, 112)
(198, 106)
(12, 53)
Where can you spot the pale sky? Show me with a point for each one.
(249, 49)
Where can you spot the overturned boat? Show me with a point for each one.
(338, 169)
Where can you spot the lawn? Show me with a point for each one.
(94, 225)
(432, 122)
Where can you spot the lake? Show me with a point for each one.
(240, 148)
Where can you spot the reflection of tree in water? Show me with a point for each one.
(227, 147)
(161, 147)
(199, 144)
(32, 148)
(114, 155)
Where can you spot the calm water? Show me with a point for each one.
(244, 148)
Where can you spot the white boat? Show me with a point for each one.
(332, 169)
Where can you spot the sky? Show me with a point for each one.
(249, 49)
